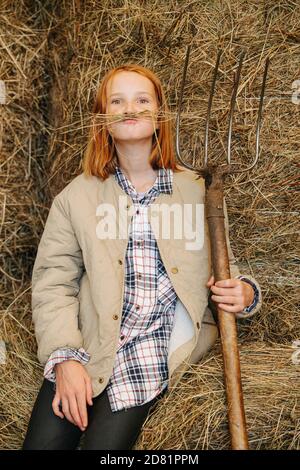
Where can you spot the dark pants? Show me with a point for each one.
(106, 430)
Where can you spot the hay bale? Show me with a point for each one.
(22, 131)
(23, 206)
(21, 375)
(193, 415)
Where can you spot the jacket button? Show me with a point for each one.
(120, 261)
(174, 270)
(198, 325)
(115, 317)
(100, 380)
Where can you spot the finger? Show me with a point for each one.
(211, 281)
(55, 406)
(81, 404)
(230, 308)
(89, 391)
(66, 410)
(225, 299)
(75, 411)
(233, 291)
(228, 283)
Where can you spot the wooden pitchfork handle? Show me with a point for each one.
(226, 321)
(214, 176)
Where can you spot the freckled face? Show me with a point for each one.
(130, 92)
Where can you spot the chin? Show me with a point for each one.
(131, 136)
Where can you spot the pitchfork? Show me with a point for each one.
(214, 179)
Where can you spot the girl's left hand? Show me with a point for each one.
(231, 295)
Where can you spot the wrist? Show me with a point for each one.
(250, 294)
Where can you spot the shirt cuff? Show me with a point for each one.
(257, 300)
(61, 355)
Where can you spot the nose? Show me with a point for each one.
(129, 108)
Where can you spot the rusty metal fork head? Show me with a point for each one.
(223, 168)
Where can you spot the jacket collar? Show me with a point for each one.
(162, 184)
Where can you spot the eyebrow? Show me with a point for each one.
(119, 93)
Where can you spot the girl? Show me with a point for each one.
(120, 311)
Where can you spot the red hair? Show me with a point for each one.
(100, 158)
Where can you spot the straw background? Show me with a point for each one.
(53, 55)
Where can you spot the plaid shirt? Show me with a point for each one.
(140, 371)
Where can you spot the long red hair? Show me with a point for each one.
(100, 156)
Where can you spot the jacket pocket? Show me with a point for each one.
(88, 319)
(207, 337)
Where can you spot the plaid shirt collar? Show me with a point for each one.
(162, 184)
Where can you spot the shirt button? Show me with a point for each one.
(128, 206)
(122, 337)
(174, 270)
(120, 261)
(139, 276)
(115, 317)
(137, 212)
(198, 325)
(137, 307)
(100, 380)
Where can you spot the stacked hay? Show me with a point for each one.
(21, 144)
(193, 415)
(84, 40)
(24, 204)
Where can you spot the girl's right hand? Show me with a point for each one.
(74, 390)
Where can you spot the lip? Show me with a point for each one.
(130, 121)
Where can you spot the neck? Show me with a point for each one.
(133, 159)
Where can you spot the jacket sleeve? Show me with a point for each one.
(61, 355)
(235, 273)
(55, 284)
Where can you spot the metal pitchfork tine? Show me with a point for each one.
(214, 180)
